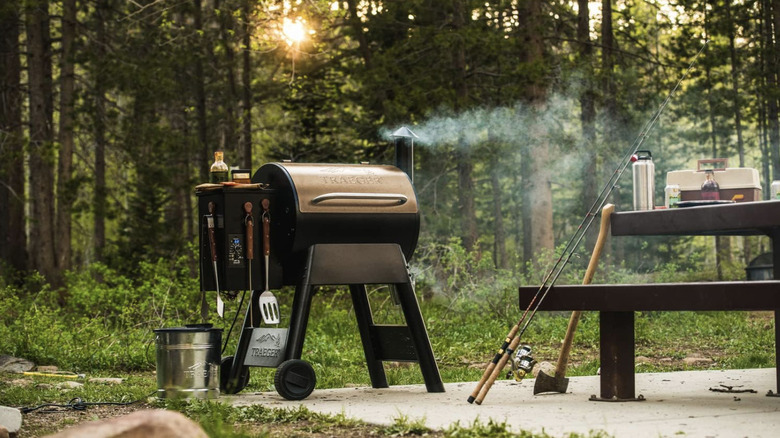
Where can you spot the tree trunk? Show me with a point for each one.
(725, 241)
(537, 197)
(200, 95)
(357, 28)
(246, 87)
(465, 166)
(721, 243)
(608, 62)
(588, 150)
(42, 153)
(710, 98)
(535, 171)
(13, 239)
(766, 53)
(735, 84)
(466, 199)
(99, 122)
(65, 195)
(772, 110)
(499, 232)
(610, 104)
(228, 131)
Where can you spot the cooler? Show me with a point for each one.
(740, 184)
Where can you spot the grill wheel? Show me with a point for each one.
(295, 379)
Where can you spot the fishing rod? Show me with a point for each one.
(512, 339)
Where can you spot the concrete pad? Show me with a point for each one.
(676, 404)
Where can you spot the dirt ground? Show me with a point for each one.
(41, 423)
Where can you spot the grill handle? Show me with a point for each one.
(395, 197)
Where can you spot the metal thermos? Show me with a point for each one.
(644, 180)
(775, 190)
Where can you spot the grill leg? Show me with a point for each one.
(365, 321)
(299, 319)
(422, 344)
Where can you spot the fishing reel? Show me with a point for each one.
(522, 363)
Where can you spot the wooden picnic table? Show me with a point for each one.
(617, 303)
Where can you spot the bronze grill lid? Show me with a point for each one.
(346, 188)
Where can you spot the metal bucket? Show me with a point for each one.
(188, 361)
(760, 268)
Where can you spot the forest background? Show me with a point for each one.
(110, 111)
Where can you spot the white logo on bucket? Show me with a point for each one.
(198, 370)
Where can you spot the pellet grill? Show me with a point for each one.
(330, 224)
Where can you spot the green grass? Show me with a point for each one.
(104, 328)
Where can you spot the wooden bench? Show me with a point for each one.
(617, 303)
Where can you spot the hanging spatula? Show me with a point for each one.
(269, 307)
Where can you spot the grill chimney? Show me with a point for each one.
(404, 150)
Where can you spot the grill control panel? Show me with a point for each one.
(235, 252)
(230, 235)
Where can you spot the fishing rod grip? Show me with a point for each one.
(492, 363)
(497, 370)
(481, 383)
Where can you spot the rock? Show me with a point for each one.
(157, 423)
(69, 384)
(106, 380)
(10, 419)
(21, 382)
(3, 432)
(10, 364)
(547, 367)
(643, 359)
(697, 361)
(47, 369)
(44, 386)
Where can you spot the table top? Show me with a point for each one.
(738, 219)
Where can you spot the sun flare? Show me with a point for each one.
(293, 31)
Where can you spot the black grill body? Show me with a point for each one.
(332, 203)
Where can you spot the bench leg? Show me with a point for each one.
(617, 357)
(776, 276)
(777, 349)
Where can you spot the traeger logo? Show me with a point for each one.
(270, 346)
(338, 175)
(201, 370)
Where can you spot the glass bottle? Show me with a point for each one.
(219, 170)
(710, 191)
